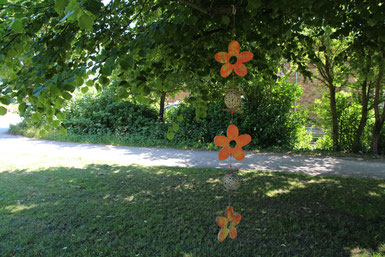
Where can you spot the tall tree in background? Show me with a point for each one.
(330, 69)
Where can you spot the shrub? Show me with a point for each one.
(267, 117)
(101, 114)
(348, 114)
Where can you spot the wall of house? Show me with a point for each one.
(311, 90)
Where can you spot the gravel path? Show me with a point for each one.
(17, 145)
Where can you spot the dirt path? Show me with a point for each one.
(16, 146)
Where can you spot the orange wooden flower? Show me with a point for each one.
(238, 66)
(223, 222)
(227, 150)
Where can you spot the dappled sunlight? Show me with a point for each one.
(291, 185)
(129, 198)
(172, 206)
(27, 153)
(19, 207)
(371, 193)
(213, 180)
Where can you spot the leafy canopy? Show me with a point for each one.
(49, 48)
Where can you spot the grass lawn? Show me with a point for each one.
(113, 210)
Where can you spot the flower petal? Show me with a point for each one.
(224, 153)
(226, 69)
(232, 132)
(243, 140)
(222, 57)
(238, 153)
(234, 48)
(236, 219)
(223, 234)
(245, 56)
(240, 69)
(222, 222)
(233, 232)
(229, 212)
(221, 141)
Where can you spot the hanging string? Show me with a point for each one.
(233, 12)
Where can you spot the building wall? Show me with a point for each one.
(311, 90)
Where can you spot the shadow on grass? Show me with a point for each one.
(103, 210)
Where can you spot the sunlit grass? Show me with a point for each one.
(71, 207)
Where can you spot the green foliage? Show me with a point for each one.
(348, 113)
(49, 47)
(304, 139)
(267, 117)
(3, 110)
(100, 114)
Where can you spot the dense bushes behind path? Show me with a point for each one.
(268, 117)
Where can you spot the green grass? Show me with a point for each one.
(73, 208)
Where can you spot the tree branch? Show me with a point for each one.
(197, 7)
(213, 11)
(207, 33)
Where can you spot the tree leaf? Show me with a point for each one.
(104, 81)
(253, 4)
(84, 90)
(22, 107)
(86, 21)
(63, 131)
(3, 1)
(68, 14)
(56, 123)
(17, 26)
(3, 110)
(60, 116)
(5, 100)
(170, 136)
(60, 5)
(225, 20)
(42, 132)
(66, 95)
(175, 127)
(180, 118)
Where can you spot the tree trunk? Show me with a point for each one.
(379, 118)
(333, 108)
(376, 136)
(161, 108)
(357, 145)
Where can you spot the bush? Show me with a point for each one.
(267, 117)
(100, 114)
(348, 114)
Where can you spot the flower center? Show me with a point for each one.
(229, 225)
(233, 60)
(233, 143)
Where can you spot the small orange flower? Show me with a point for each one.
(223, 223)
(237, 151)
(238, 66)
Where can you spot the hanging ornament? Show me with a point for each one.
(233, 60)
(233, 100)
(231, 182)
(226, 228)
(232, 138)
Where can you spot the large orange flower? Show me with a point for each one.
(238, 66)
(227, 150)
(223, 223)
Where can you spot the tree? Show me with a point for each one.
(324, 55)
(51, 47)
